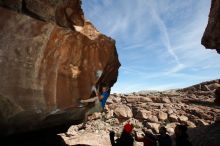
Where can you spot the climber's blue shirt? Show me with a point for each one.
(105, 96)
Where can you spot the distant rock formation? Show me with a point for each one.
(211, 37)
(50, 58)
(203, 87)
(209, 88)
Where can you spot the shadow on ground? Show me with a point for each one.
(42, 137)
(201, 136)
(206, 135)
(33, 140)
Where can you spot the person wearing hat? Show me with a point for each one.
(217, 96)
(164, 139)
(125, 139)
(181, 136)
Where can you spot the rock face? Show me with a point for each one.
(50, 58)
(211, 37)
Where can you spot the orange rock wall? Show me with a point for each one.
(50, 58)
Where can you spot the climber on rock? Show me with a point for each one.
(100, 101)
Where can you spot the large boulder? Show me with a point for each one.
(211, 37)
(48, 66)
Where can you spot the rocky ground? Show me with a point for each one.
(149, 110)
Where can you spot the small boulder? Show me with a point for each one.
(145, 99)
(190, 124)
(152, 118)
(154, 126)
(170, 131)
(172, 125)
(162, 116)
(132, 99)
(156, 105)
(183, 118)
(109, 114)
(165, 100)
(173, 118)
(143, 114)
(123, 111)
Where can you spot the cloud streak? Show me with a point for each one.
(158, 42)
(165, 36)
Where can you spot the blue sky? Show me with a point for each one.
(158, 41)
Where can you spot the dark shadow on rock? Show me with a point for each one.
(33, 140)
(206, 135)
(40, 137)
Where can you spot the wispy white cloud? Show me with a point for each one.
(176, 68)
(158, 41)
(165, 36)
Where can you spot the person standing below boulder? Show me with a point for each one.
(100, 101)
(164, 139)
(125, 139)
(217, 96)
(148, 139)
(182, 136)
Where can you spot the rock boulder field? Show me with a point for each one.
(193, 106)
(50, 57)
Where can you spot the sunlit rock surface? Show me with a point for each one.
(50, 58)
